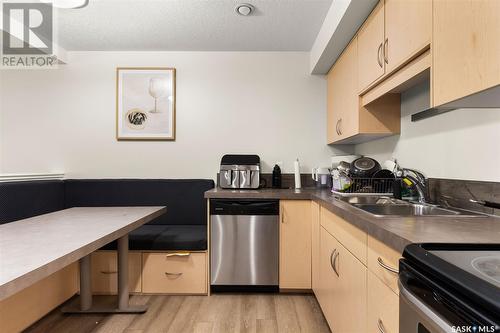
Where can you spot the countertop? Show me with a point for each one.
(396, 232)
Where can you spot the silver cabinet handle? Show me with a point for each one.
(335, 263)
(173, 274)
(384, 265)
(337, 127)
(386, 50)
(379, 55)
(340, 126)
(380, 326)
(178, 254)
(109, 272)
(331, 258)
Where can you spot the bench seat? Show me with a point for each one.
(166, 238)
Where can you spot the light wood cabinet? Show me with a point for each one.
(174, 273)
(342, 286)
(465, 48)
(347, 121)
(383, 307)
(22, 309)
(351, 237)
(343, 99)
(315, 244)
(105, 272)
(295, 244)
(371, 63)
(383, 261)
(408, 25)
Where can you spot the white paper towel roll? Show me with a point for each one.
(296, 167)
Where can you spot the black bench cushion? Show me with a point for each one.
(184, 198)
(20, 200)
(167, 238)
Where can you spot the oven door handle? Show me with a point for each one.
(420, 310)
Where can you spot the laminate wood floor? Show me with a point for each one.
(218, 313)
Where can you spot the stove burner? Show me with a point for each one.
(488, 266)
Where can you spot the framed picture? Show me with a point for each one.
(145, 103)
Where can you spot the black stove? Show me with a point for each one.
(450, 288)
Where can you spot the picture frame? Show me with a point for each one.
(145, 103)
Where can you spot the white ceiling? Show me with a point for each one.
(191, 25)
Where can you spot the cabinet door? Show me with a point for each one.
(382, 318)
(343, 99)
(315, 245)
(465, 48)
(105, 272)
(408, 25)
(295, 244)
(351, 294)
(328, 283)
(370, 48)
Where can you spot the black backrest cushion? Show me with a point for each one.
(184, 198)
(20, 200)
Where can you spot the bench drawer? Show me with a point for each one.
(105, 272)
(383, 261)
(174, 273)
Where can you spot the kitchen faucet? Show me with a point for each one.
(418, 181)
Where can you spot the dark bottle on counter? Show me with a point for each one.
(276, 177)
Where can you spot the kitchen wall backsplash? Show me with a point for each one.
(457, 193)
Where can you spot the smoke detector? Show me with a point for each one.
(244, 9)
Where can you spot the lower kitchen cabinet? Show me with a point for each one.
(343, 286)
(174, 273)
(105, 272)
(315, 245)
(383, 261)
(383, 307)
(295, 244)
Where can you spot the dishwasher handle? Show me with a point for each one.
(244, 207)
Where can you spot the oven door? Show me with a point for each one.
(416, 317)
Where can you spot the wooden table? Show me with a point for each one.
(34, 248)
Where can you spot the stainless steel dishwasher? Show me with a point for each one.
(244, 245)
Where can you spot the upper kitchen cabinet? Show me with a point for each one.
(465, 48)
(408, 25)
(370, 48)
(342, 98)
(347, 121)
(395, 32)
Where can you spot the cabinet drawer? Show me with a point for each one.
(352, 238)
(174, 273)
(382, 260)
(381, 318)
(105, 269)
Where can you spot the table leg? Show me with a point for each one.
(123, 295)
(100, 305)
(85, 283)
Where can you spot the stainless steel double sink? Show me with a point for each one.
(387, 206)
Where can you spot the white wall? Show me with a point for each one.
(461, 144)
(264, 103)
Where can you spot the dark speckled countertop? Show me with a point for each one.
(396, 232)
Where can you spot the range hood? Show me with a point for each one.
(485, 99)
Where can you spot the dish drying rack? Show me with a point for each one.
(368, 187)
